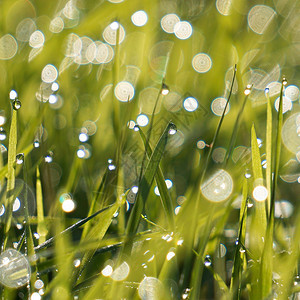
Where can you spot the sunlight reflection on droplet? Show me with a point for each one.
(2, 210)
(150, 288)
(190, 104)
(121, 272)
(259, 143)
(68, 205)
(207, 261)
(287, 104)
(14, 269)
(13, 95)
(139, 18)
(8, 47)
(223, 7)
(183, 30)
(168, 22)
(49, 73)
(17, 204)
(283, 209)
(218, 106)
(201, 63)
(218, 187)
(142, 120)
(37, 39)
(260, 193)
(259, 17)
(110, 33)
(292, 92)
(124, 91)
(177, 210)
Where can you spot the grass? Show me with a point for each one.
(188, 206)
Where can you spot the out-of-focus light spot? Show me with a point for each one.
(260, 193)
(218, 187)
(8, 47)
(247, 90)
(70, 11)
(156, 191)
(104, 53)
(87, 51)
(292, 92)
(223, 7)
(124, 91)
(2, 136)
(139, 18)
(83, 137)
(115, 1)
(150, 288)
(142, 120)
(283, 209)
(76, 263)
(173, 102)
(49, 73)
(35, 296)
(111, 167)
(90, 126)
(131, 124)
(170, 255)
(221, 251)
(52, 99)
(201, 63)
(39, 284)
(287, 104)
(17, 204)
(37, 39)
(68, 205)
(83, 152)
(290, 133)
(168, 22)
(183, 30)
(218, 155)
(24, 30)
(274, 88)
(107, 271)
(135, 189)
(110, 33)
(259, 18)
(201, 144)
(190, 104)
(15, 269)
(57, 25)
(13, 95)
(264, 163)
(218, 106)
(121, 272)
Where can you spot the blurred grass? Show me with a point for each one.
(174, 239)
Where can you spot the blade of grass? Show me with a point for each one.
(267, 257)
(12, 149)
(162, 187)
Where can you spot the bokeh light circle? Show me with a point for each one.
(201, 63)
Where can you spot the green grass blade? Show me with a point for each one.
(146, 182)
(41, 225)
(12, 149)
(267, 258)
(160, 181)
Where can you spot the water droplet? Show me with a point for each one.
(185, 294)
(242, 250)
(14, 269)
(247, 174)
(170, 255)
(2, 134)
(35, 296)
(49, 157)
(36, 144)
(20, 158)
(83, 137)
(136, 128)
(207, 261)
(76, 263)
(111, 167)
(284, 80)
(13, 95)
(173, 129)
(249, 203)
(16, 104)
(297, 280)
(164, 89)
(247, 90)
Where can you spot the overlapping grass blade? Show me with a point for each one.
(160, 181)
(146, 182)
